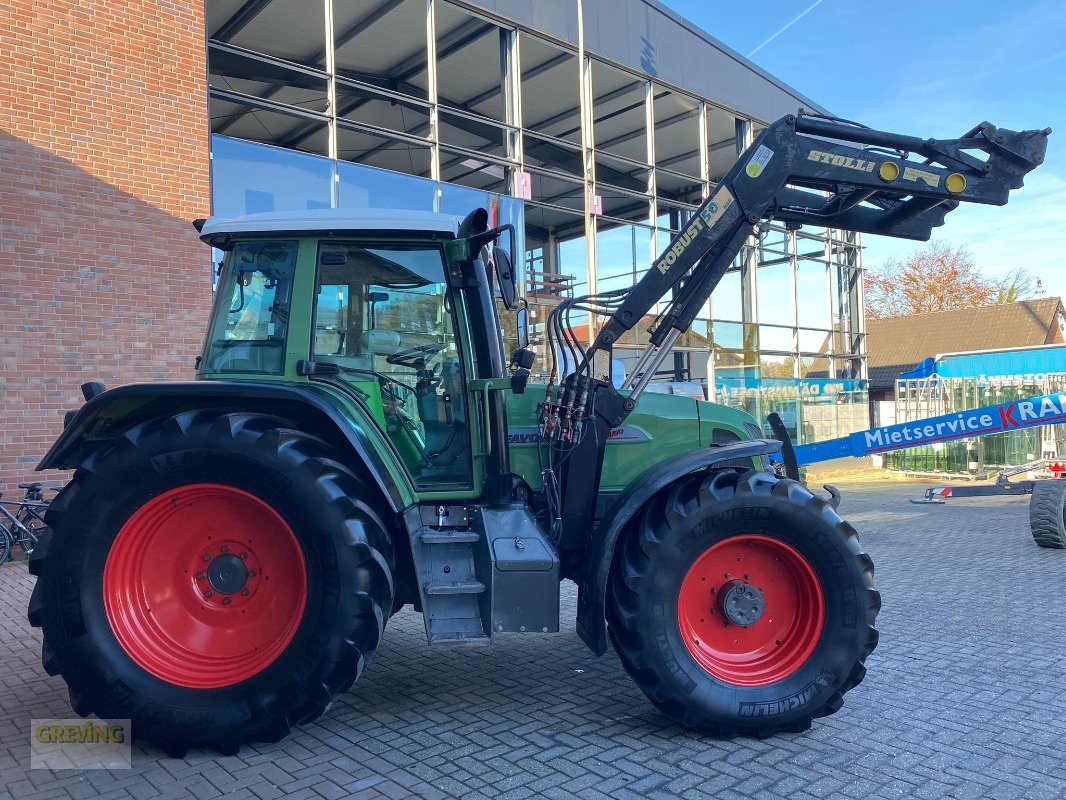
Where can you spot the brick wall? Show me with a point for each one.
(103, 163)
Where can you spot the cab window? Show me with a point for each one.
(251, 318)
(383, 317)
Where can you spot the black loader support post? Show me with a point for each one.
(802, 169)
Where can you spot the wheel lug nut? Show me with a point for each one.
(225, 548)
(201, 575)
(244, 554)
(209, 593)
(252, 573)
(227, 601)
(747, 576)
(207, 556)
(245, 592)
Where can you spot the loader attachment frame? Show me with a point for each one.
(802, 169)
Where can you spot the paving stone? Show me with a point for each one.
(962, 699)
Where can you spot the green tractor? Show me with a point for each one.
(225, 560)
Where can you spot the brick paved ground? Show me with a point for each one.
(964, 699)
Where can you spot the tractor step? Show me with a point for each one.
(447, 548)
(454, 587)
(448, 537)
(457, 632)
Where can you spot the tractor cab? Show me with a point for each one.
(369, 301)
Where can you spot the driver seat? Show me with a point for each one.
(372, 343)
(376, 342)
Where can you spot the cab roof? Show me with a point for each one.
(331, 220)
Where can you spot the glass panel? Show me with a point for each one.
(774, 337)
(364, 103)
(678, 188)
(573, 262)
(619, 116)
(728, 335)
(623, 174)
(677, 132)
(289, 29)
(386, 49)
(378, 150)
(815, 341)
(294, 131)
(249, 178)
(775, 293)
(558, 155)
(550, 100)
(726, 300)
(622, 252)
(268, 79)
(365, 187)
(814, 367)
(558, 190)
(721, 141)
(251, 314)
(812, 295)
(473, 134)
(384, 319)
(469, 64)
(466, 169)
(624, 205)
(545, 228)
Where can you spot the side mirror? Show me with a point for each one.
(506, 278)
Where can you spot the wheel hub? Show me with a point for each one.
(742, 603)
(751, 609)
(183, 580)
(227, 574)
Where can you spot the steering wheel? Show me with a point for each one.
(414, 357)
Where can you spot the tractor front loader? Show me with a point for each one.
(227, 555)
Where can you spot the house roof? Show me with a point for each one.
(897, 344)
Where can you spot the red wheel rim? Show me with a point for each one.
(783, 637)
(205, 586)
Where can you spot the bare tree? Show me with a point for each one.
(1018, 284)
(939, 277)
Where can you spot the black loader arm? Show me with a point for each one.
(807, 170)
(802, 169)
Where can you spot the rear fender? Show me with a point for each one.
(112, 413)
(599, 552)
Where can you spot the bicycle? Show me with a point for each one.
(24, 525)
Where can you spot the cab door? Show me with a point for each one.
(385, 318)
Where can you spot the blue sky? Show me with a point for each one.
(932, 68)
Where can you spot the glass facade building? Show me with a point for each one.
(597, 153)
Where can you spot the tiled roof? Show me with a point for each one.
(897, 344)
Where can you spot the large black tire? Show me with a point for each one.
(1047, 513)
(656, 568)
(346, 581)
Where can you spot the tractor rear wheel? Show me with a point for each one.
(213, 577)
(741, 604)
(1047, 513)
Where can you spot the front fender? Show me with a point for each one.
(113, 412)
(599, 553)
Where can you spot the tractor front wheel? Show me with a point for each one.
(741, 604)
(213, 577)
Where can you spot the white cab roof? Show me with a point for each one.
(333, 220)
